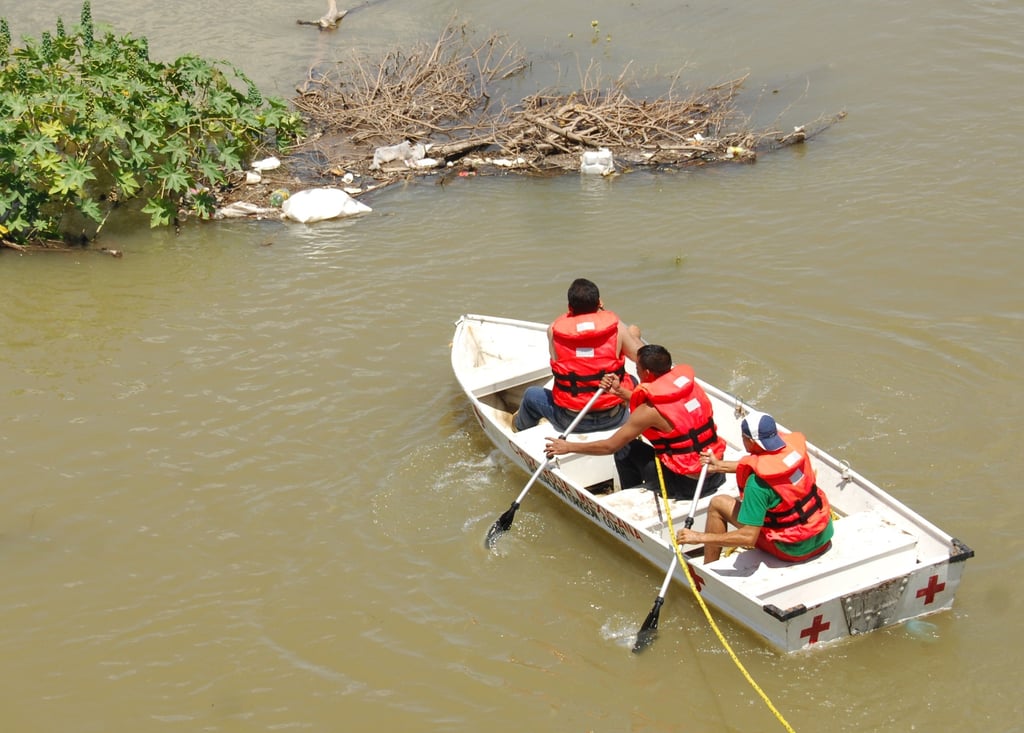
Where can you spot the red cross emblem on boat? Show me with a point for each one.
(698, 581)
(816, 627)
(931, 590)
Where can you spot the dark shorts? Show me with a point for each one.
(636, 467)
(681, 487)
(594, 420)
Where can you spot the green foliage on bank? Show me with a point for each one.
(88, 121)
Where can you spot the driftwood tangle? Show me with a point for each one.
(446, 94)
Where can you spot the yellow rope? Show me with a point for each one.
(693, 586)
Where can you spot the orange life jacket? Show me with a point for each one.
(804, 510)
(681, 401)
(586, 348)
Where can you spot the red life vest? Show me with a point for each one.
(586, 348)
(681, 401)
(804, 510)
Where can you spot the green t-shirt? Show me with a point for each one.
(758, 498)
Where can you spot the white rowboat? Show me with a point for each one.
(887, 564)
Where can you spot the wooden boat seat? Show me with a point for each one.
(865, 550)
(578, 468)
(641, 507)
(635, 505)
(501, 375)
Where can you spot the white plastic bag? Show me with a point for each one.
(240, 209)
(389, 153)
(409, 154)
(267, 164)
(318, 204)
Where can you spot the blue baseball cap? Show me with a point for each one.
(760, 427)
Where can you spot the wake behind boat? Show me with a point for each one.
(887, 564)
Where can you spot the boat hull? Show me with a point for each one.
(887, 564)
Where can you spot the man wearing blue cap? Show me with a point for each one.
(781, 510)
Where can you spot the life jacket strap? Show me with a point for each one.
(690, 442)
(802, 510)
(577, 384)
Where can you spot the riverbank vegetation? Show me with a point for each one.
(89, 123)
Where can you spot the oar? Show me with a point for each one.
(649, 629)
(505, 520)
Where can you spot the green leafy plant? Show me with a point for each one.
(88, 120)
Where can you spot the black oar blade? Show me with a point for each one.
(493, 534)
(500, 526)
(649, 629)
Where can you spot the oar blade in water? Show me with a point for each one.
(505, 520)
(500, 526)
(650, 626)
(649, 629)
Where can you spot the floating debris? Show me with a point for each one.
(267, 164)
(597, 162)
(319, 204)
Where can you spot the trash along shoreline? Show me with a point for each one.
(433, 110)
(441, 109)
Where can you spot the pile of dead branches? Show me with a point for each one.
(438, 93)
(666, 130)
(445, 96)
